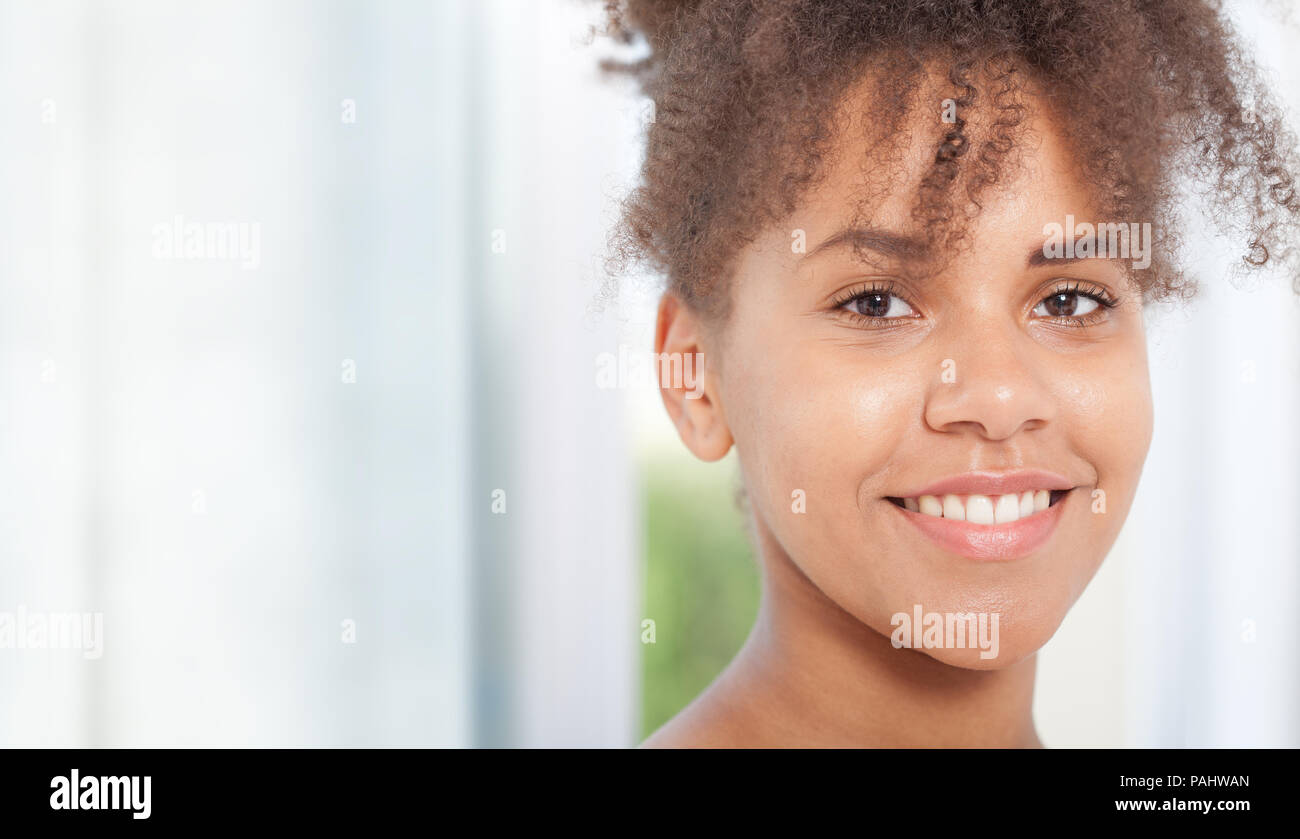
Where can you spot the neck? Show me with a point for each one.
(813, 674)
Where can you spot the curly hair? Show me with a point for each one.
(1155, 96)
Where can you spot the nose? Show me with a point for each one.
(990, 384)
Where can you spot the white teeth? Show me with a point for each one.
(982, 509)
(1008, 509)
(979, 509)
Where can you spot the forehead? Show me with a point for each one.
(1013, 167)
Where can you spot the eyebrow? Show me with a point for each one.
(881, 241)
(901, 246)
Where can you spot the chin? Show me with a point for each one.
(993, 629)
(1012, 650)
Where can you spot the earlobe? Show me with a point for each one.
(687, 384)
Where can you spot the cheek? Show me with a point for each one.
(824, 421)
(1106, 414)
(1106, 411)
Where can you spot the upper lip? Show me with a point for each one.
(994, 483)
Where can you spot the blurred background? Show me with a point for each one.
(310, 400)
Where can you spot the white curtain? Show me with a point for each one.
(269, 466)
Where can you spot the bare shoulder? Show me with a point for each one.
(691, 731)
(719, 718)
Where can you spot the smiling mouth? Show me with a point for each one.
(982, 509)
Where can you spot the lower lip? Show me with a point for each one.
(989, 541)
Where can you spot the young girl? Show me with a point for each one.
(913, 240)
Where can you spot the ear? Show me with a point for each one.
(686, 382)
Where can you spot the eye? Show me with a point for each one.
(1066, 304)
(1076, 304)
(875, 304)
(878, 304)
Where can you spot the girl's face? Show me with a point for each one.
(854, 386)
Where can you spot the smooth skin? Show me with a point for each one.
(845, 400)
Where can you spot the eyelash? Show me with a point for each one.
(856, 292)
(1104, 299)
